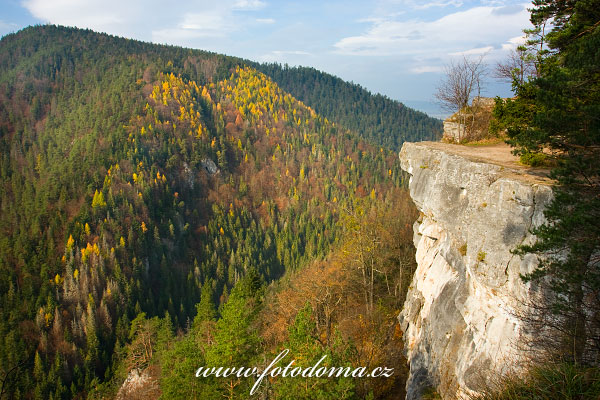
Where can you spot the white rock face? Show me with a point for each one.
(453, 131)
(139, 385)
(458, 319)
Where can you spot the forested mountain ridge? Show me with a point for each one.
(378, 118)
(381, 120)
(138, 179)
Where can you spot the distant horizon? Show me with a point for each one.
(397, 48)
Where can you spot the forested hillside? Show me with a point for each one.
(375, 117)
(148, 196)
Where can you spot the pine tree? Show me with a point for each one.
(179, 366)
(205, 309)
(235, 340)
(555, 117)
(306, 348)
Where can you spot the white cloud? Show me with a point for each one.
(418, 5)
(215, 22)
(207, 21)
(386, 16)
(384, 6)
(509, 9)
(473, 52)
(150, 19)
(476, 27)
(427, 69)
(249, 4)
(265, 20)
(182, 35)
(7, 27)
(283, 56)
(93, 14)
(494, 3)
(513, 43)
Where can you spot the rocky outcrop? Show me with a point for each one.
(454, 131)
(471, 123)
(140, 385)
(459, 317)
(209, 166)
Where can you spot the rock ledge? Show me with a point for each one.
(458, 319)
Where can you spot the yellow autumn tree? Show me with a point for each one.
(70, 243)
(98, 200)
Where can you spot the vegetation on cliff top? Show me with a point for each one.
(555, 116)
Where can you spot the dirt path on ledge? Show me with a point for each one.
(499, 154)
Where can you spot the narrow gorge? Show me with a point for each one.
(476, 205)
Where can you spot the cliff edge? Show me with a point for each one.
(477, 204)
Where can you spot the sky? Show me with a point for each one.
(398, 48)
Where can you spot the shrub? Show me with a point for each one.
(552, 381)
(481, 256)
(534, 159)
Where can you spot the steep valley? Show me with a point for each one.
(153, 196)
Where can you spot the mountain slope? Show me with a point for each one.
(377, 118)
(132, 176)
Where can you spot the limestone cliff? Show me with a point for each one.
(476, 206)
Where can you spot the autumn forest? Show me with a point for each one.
(164, 209)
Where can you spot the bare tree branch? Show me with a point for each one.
(519, 66)
(463, 80)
